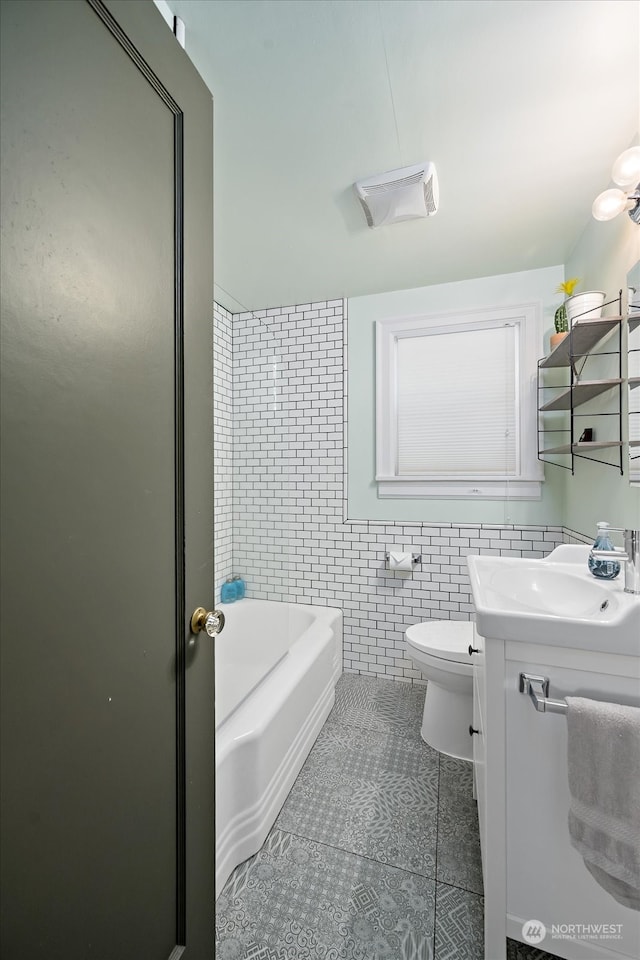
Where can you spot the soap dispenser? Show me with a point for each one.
(603, 569)
(229, 592)
(241, 587)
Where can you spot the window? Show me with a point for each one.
(456, 405)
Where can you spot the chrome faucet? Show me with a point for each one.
(629, 555)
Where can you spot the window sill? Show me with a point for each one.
(461, 489)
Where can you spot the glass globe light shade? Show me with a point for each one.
(609, 204)
(626, 169)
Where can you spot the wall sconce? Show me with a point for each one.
(626, 173)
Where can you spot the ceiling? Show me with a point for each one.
(523, 105)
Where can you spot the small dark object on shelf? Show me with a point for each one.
(587, 435)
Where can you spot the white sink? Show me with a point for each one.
(555, 601)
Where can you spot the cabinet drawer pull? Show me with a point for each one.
(473, 650)
(472, 730)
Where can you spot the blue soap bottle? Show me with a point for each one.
(241, 587)
(229, 591)
(603, 569)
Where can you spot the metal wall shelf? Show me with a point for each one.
(573, 353)
(583, 336)
(581, 392)
(583, 447)
(634, 385)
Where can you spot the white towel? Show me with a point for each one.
(604, 782)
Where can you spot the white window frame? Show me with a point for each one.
(524, 484)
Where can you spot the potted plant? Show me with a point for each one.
(560, 320)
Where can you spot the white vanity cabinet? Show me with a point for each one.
(531, 871)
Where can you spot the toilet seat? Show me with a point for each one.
(442, 639)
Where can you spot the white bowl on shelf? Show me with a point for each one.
(586, 306)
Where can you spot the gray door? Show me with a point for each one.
(107, 529)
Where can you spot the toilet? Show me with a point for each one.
(440, 650)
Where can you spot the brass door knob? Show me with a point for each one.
(212, 621)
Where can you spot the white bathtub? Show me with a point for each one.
(277, 665)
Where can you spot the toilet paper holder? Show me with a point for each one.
(415, 557)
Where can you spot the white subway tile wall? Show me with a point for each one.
(291, 538)
(222, 445)
(572, 536)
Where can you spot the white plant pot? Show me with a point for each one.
(586, 306)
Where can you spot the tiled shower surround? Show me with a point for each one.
(291, 540)
(223, 442)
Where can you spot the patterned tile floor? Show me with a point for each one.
(375, 854)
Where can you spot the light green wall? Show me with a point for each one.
(602, 258)
(364, 504)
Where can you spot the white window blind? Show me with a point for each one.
(457, 403)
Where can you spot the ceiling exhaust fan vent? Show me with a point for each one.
(409, 193)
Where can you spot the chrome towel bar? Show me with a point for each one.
(538, 690)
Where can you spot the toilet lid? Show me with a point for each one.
(447, 639)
